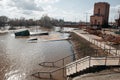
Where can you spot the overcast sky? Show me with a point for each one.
(69, 10)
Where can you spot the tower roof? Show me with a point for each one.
(102, 3)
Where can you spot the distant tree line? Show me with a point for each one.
(45, 21)
(3, 20)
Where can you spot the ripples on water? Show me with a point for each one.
(19, 59)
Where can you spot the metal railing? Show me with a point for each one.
(74, 57)
(63, 68)
(113, 51)
(88, 62)
(63, 61)
(102, 45)
(77, 66)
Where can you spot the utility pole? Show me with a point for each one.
(119, 12)
(87, 17)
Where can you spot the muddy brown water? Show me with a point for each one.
(19, 59)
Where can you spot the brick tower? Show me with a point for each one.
(101, 14)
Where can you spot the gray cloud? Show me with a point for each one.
(20, 8)
(25, 5)
(27, 12)
(114, 11)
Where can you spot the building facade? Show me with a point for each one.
(101, 14)
(118, 20)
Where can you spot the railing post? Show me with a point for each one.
(39, 75)
(97, 42)
(94, 42)
(65, 75)
(63, 61)
(89, 61)
(109, 51)
(76, 67)
(119, 61)
(96, 52)
(100, 44)
(63, 72)
(50, 75)
(105, 60)
(73, 57)
(110, 48)
(104, 46)
(116, 51)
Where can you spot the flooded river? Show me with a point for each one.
(19, 59)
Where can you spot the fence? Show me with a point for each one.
(88, 62)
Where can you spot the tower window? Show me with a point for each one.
(95, 22)
(99, 11)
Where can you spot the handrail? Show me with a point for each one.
(93, 58)
(99, 44)
(78, 60)
(63, 59)
(106, 59)
(88, 58)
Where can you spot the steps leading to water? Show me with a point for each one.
(88, 63)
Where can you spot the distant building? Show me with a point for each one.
(118, 21)
(101, 14)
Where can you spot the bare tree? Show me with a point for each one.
(3, 21)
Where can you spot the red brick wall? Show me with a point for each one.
(101, 13)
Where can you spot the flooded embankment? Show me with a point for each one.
(19, 58)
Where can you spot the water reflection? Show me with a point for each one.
(19, 59)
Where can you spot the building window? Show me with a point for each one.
(91, 22)
(99, 11)
(95, 22)
(98, 23)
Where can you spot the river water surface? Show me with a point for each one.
(19, 58)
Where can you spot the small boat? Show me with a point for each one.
(39, 33)
(22, 33)
(32, 39)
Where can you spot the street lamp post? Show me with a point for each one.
(87, 17)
